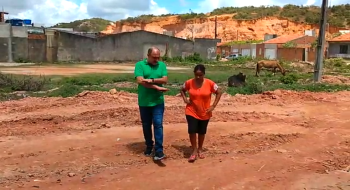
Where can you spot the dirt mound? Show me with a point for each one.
(335, 79)
(95, 138)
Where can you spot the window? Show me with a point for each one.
(343, 49)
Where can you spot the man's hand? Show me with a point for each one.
(147, 80)
(210, 109)
(162, 89)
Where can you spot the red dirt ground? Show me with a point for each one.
(279, 140)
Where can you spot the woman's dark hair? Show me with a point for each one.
(199, 67)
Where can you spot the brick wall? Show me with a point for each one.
(290, 54)
(296, 54)
(260, 51)
(222, 49)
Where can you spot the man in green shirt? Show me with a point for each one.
(151, 74)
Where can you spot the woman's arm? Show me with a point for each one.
(183, 93)
(218, 94)
(215, 89)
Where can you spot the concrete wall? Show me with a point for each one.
(19, 31)
(19, 48)
(4, 41)
(4, 30)
(206, 47)
(3, 50)
(19, 42)
(73, 47)
(128, 46)
(37, 50)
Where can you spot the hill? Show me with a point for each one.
(238, 23)
(86, 25)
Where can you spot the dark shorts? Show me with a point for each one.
(196, 126)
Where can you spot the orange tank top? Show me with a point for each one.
(200, 98)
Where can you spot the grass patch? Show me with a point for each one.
(219, 72)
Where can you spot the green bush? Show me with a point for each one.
(195, 58)
(334, 62)
(242, 60)
(22, 83)
(289, 79)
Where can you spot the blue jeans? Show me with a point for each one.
(153, 115)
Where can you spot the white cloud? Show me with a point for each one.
(153, 9)
(50, 12)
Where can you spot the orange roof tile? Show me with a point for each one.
(283, 39)
(342, 38)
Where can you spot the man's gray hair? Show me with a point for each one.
(151, 49)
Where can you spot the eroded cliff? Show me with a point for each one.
(228, 29)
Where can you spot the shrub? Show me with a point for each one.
(22, 83)
(334, 62)
(289, 79)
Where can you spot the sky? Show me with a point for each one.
(50, 12)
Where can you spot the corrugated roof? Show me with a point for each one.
(283, 39)
(342, 38)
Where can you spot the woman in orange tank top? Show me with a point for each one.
(198, 109)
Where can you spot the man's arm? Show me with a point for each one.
(138, 72)
(140, 79)
(164, 79)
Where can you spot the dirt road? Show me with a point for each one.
(275, 141)
(77, 69)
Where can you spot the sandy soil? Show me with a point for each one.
(274, 141)
(74, 70)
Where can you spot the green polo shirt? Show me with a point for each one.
(150, 96)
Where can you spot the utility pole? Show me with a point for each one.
(320, 43)
(10, 52)
(216, 27)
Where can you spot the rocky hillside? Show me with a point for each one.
(245, 23)
(86, 25)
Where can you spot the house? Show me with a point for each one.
(223, 49)
(339, 46)
(298, 46)
(245, 48)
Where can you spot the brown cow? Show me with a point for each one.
(269, 64)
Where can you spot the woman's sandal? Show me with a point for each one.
(201, 155)
(192, 158)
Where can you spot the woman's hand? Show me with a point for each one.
(210, 109)
(187, 101)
